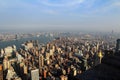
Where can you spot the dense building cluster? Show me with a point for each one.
(64, 58)
(13, 36)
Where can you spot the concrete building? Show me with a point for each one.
(41, 62)
(63, 77)
(118, 45)
(2, 53)
(25, 69)
(1, 72)
(29, 45)
(14, 48)
(35, 74)
(8, 50)
(5, 63)
(51, 52)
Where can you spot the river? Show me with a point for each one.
(17, 43)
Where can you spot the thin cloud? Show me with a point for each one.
(117, 4)
(52, 12)
(67, 3)
(106, 8)
(113, 5)
(16, 4)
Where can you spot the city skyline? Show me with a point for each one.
(87, 15)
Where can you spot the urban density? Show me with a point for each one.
(66, 57)
(59, 39)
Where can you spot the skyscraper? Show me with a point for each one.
(1, 72)
(41, 62)
(118, 45)
(35, 74)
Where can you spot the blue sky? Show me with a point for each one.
(89, 15)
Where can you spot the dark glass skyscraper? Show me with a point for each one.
(118, 45)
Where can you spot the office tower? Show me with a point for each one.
(48, 46)
(97, 46)
(43, 49)
(14, 48)
(1, 72)
(5, 63)
(75, 72)
(1, 52)
(70, 55)
(63, 77)
(51, 52)
(8, 50)
(59, 50)
(35, 74)
(53, 48)
(16, 36)
(41, 62)
(100, 55)
(45, 74)
(25, 69)
(47, 57)
(29, 45)
(10, 73)
(118, 45)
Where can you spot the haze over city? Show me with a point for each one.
(87, 15)
(59, 39)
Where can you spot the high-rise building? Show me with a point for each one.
(9, 74)
(45, 74)
(47, 56)
(8, 50)
(43, 49)
(63, 77)
(51, 52)
(14, 48)
(29, 45)
(118, 45)
(5, 63)
(35, 74)
(41, 62)
(75, 72)
(25, 69)
(1, 72)
(53, 48)
(1, 52)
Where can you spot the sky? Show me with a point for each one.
(86, 15)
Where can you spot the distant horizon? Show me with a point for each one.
(54, 30)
